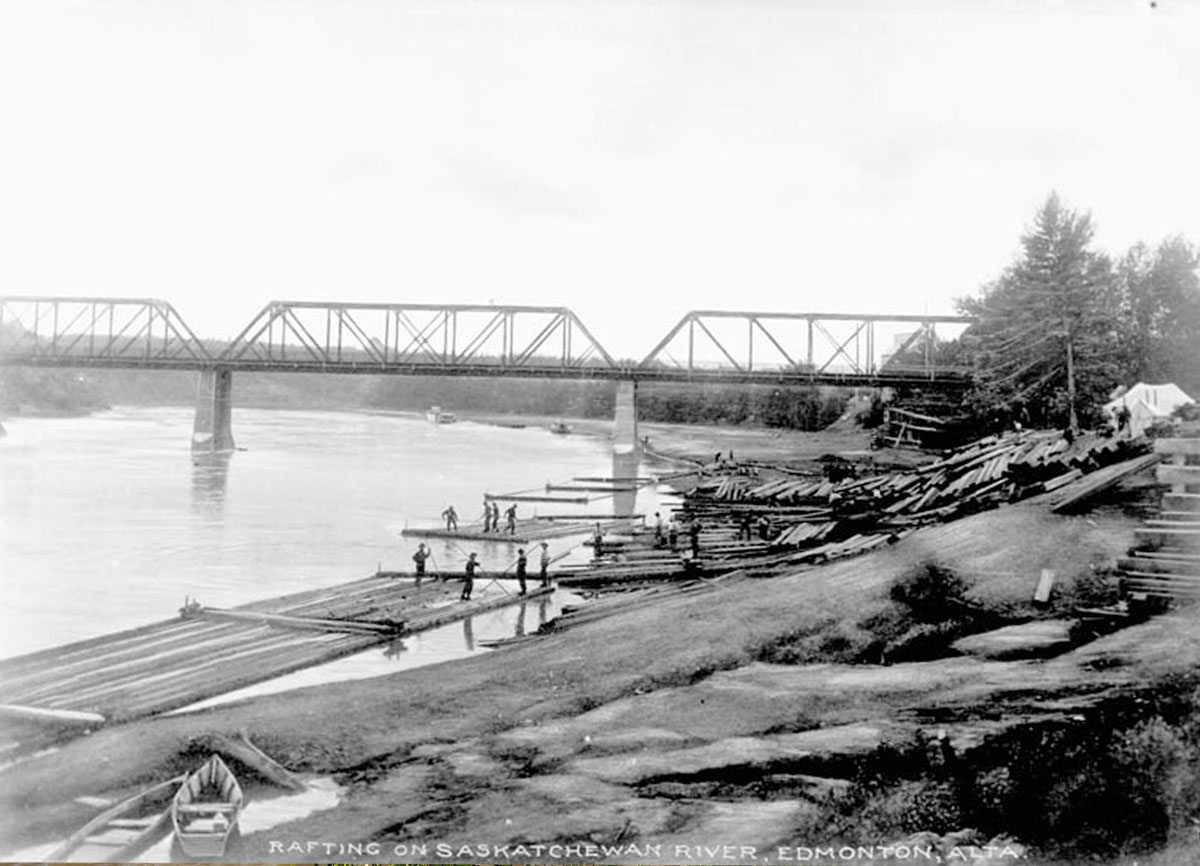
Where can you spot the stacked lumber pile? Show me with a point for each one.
(763, 522)
(1165, 562)
(905, 428)
(994, 469)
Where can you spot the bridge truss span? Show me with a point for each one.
(97, 332)
(825, 348)
(430, 339)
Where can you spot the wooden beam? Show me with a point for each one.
(47, 716)
(1189, 447)
(1176, 474)
(300, 622)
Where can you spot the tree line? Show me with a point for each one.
(1065, 324)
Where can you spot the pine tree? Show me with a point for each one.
(1048, 328)
(1160, 297)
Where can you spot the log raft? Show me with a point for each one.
(209, 652)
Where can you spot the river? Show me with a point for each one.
(108, 522)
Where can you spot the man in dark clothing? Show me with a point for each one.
(487, 515)
(673, 534)
(544, 565)
(510, 519)
(469, 578)
(694, 532)
(521, 569)
(658, 529)
(451, 518)
(495, 517)
(419, 558)
(597, 541)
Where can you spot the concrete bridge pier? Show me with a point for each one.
(627, 451)
(213, 427)
(625, 432)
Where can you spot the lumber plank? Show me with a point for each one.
(1189, 447)
(1173, 473)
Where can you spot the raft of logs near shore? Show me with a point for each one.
(762, 522)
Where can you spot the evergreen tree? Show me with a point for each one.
(1048, 328)
(1160, 297)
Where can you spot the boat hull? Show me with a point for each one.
(206, 809)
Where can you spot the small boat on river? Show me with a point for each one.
(124, 830)
(435, 415)
(560, 428)
(206, 808)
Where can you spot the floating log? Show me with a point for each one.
(300, 622)
(463, 535)
(591, 517)
(615, 487)
(534, 497)
(632, 479)
(47, 716)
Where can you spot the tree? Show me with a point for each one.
(1048, 327)
(1160, 299)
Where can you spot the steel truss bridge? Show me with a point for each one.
(705, 346)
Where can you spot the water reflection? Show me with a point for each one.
(210, 476)
(625, 465)
(394, 648)
(469, 633)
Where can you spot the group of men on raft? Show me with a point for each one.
(471, 569)
(491, 518)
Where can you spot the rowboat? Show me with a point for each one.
(206, 808)
(123, 831)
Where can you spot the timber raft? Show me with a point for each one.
(527, 531)
(209, 652)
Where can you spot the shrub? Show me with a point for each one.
(930, 592)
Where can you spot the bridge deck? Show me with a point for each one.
(172, 664)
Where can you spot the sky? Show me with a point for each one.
(628, 159)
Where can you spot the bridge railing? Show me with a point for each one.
(97, 332)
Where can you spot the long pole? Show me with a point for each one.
(1073, 418)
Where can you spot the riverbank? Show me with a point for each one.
(698, 443)
(761, 718)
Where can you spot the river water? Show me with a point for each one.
(107, 522)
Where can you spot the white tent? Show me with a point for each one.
(1148, 404)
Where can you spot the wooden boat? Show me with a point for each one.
(560, 428)
(206, 808)
(122, 831)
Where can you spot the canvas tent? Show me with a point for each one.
(1148, 404)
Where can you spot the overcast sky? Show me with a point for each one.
(626, 158)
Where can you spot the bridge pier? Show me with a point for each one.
(213, 427)
(625, 433)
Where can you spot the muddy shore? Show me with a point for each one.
(807, 710)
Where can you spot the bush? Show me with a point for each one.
(930, 592)
(910, 807)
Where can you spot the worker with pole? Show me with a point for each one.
(469, 577)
